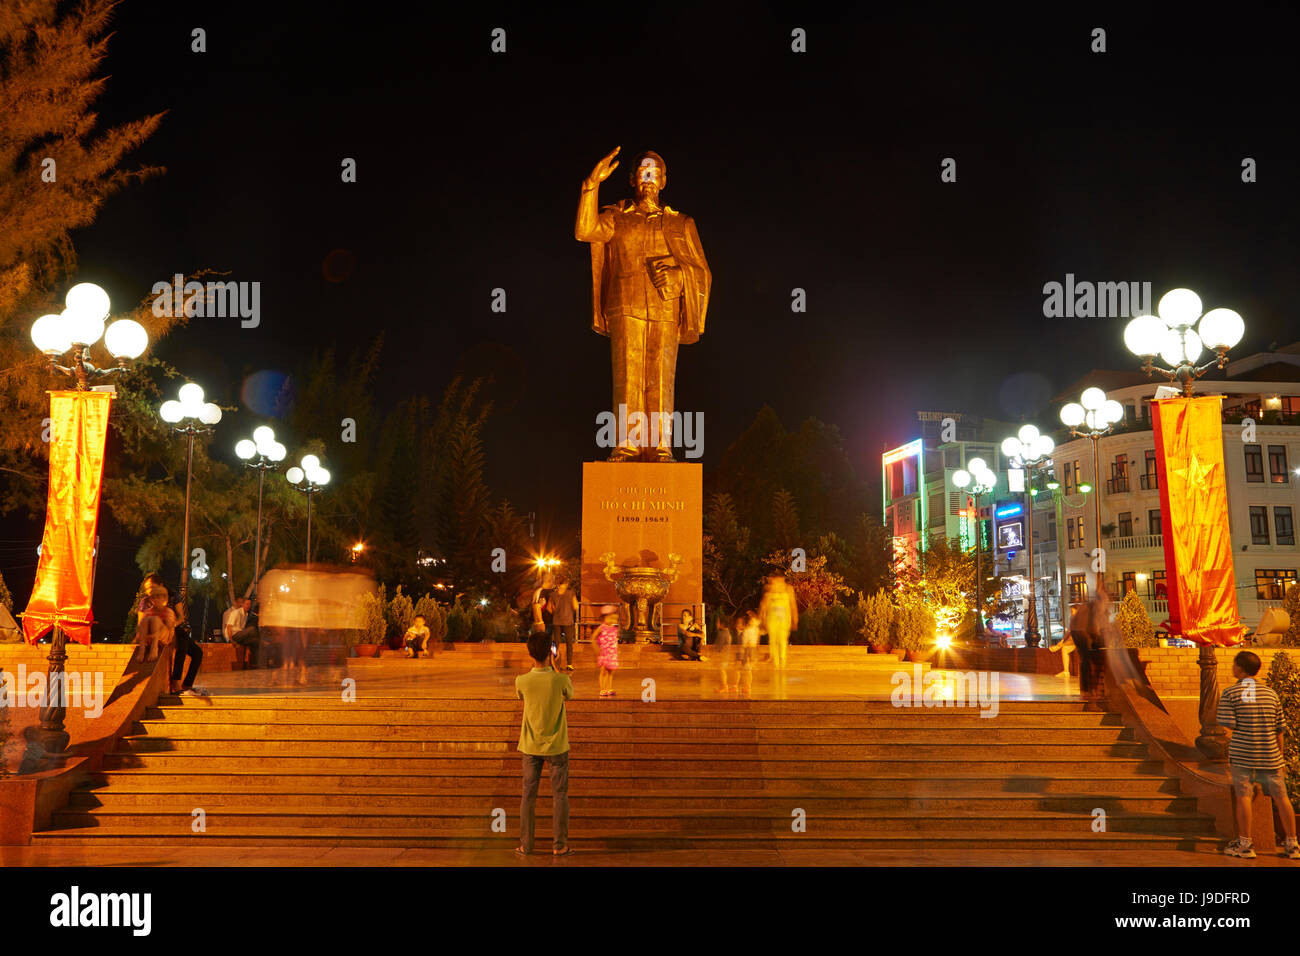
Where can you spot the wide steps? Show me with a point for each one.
(585, 733)
(483, 800)
(506, 779)
(971, 838)
(646, 717)
(316, 769)
(644, 764)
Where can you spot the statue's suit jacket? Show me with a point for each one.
(684, 244)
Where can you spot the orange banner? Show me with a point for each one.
(78, 429)
(1194, 519)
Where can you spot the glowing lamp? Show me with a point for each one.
(83, 328)
(50, 334)
(294, 474)
(171, 412)
(1072, 415)
(1221, 329)
(1179, 308)
(1011, 447)
(961, 478)
(1028, 434)
(1144, 336)
(1112, 412)
(87, 300)
(126, 339)
(245, 449)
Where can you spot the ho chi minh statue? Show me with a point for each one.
(649, 293)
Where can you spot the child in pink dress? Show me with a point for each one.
(607, 649)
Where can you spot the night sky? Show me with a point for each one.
(818, 170)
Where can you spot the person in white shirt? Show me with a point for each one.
(236, 629)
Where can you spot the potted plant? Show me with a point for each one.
(370, 638)
(877, 621)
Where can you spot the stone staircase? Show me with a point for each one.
(299, 770)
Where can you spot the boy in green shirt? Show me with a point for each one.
(544, 738)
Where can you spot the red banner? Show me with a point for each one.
(78, 429)
(1199, 572)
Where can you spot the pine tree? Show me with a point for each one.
(785, 521)
(56, 171)
(1134, 622)
(1284, 679)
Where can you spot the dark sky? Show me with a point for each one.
(817, 170)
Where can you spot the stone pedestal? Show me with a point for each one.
(642, 512)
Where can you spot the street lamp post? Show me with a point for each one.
(1098, 415)
(310, 479)
(263, 453)
(1030, 448)
(67, 337)
(189, 416)
(1058, 497)
(1170, 336)
(981, 480)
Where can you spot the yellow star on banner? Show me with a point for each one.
(1194, 473)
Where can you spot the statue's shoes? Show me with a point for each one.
(663, 454)
(623, 454)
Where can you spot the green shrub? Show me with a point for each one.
(1284, 678)
(836, 625)
(877, 618)
(1134, 622)
(1291, 605)
(458, 624)
(374, 609)
(913, 628)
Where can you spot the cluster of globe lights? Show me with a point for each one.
(1094, 410)
(81, 325)
(263, 444)
(1170, 335)
(191, 405)
(983, 476)
(1029, 445)
(311, 470)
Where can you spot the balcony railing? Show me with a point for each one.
(1149, 482)
(1156, 605)
(1117, 485)
(1135, 542)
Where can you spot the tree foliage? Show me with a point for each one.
(51, 55)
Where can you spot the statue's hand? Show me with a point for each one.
(602, 170)
(664, 275)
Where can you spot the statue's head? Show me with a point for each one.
(649, 174)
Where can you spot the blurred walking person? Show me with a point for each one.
(564, 620)
(780, 615)
(748, 625)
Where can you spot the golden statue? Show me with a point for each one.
(649, 292)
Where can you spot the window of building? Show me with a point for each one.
(935, 516)
(1074, 531)
(1271, 583)
(1153, 522)
(1258, 524)
(1067, 477)
(1130, 582)
(1120, 468)
(1254, 463)
(1157, 586)
(1277, 464)
(1078, 588)
(1125, 519)
(1282, 525)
